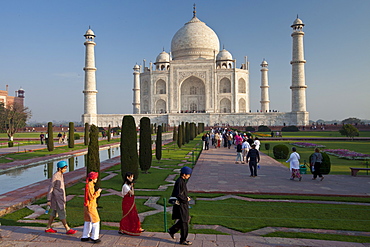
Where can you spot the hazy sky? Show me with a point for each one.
(42, 51)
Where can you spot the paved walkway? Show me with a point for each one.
(216, 171)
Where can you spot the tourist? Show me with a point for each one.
(130, 222)
(91, 215)
(42, 136)
(56, 199)
(245, 148)
(316, 161)
(294, 164)
(64, 137)
(253, 158)
(257, 143)
(217, 140)
(239, 151)
(60, 137)
(181, 210)
(46, 138)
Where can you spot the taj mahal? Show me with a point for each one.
(198, 82)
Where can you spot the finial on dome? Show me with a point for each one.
(297, 16)
(194, 10)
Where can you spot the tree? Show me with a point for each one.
(108, 133)
(158, 144)
(183, 133)
(129, 156)
(191, 131)
(86, 136)
(349, 130)
(12, 118)
(50, 143)
(71, 135)
(179, 136)
(187, 132)
(93, 160)
(351, 120)
(174, 135)
(145, 145)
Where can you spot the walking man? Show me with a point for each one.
(181, 209)
(253, 157)
(57, 199)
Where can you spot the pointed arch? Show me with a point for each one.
(225, 85)
(160, 106)
(241, 86)
(242, 105)
(225, 106)
(160, 87)
(192, 93)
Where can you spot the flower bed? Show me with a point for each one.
(262, 134)
(307, 145)
(347, 154)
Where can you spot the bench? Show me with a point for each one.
(355, 170)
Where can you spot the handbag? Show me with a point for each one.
(173, 201)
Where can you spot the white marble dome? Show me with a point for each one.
(194, 40)
(224, 55)
(89, 33)
(163, 57)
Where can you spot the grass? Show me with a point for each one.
(330, 237)
(311, 198)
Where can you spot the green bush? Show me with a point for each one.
(263, 128)
(281, 151)
(250, 128)
(10, 144)
(325, 165)
(77, 136)
(291, 128)
(267, 146)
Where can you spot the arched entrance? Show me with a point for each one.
(193, 97)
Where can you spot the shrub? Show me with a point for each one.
(50, 141)
(325, 165)
(86, 136)
(145, 145)
(267, 146)
(10, 144)
(71, 134)
(291, 128)
(263, 128)
(129, 155)
(281, 151)
(250, 128)
(77, 136)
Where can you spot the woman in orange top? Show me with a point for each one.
(91, 216)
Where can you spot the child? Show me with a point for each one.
(91, 216)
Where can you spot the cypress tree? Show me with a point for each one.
(50, 143)
(86, 136)
(151, 129)
(108, 133)
(158, 144)
(71, 135)
(129, 156)
(174, 136)
(183, 133)
(196, 130)
(93, 160)
(191, 128)
(187, 132)
(179, 136)
(145, 145)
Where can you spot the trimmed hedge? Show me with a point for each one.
(280, 151)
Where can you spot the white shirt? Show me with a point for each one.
(246, 145)
(125, 189)
(258, 144)
(294, 160)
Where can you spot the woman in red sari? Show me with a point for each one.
(130, 222)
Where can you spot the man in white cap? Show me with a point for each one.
(181, 208)
(57, 199)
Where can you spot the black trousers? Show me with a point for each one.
(180, 225)
(317, 171)
(253, 168)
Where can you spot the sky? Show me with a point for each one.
(42, 51)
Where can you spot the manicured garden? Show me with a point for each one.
(235, 214)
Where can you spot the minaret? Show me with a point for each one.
(298, 75)
(136, 89)
(265, 102)
(90, 110)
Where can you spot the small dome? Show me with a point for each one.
(297, 22)
(264, 62)
(195, 39)
(224, 55)
(136, 66)
(163, 57)
(89, 33)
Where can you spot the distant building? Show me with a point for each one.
(10, 100)
(199, 82)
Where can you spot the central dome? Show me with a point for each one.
(194, 40)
